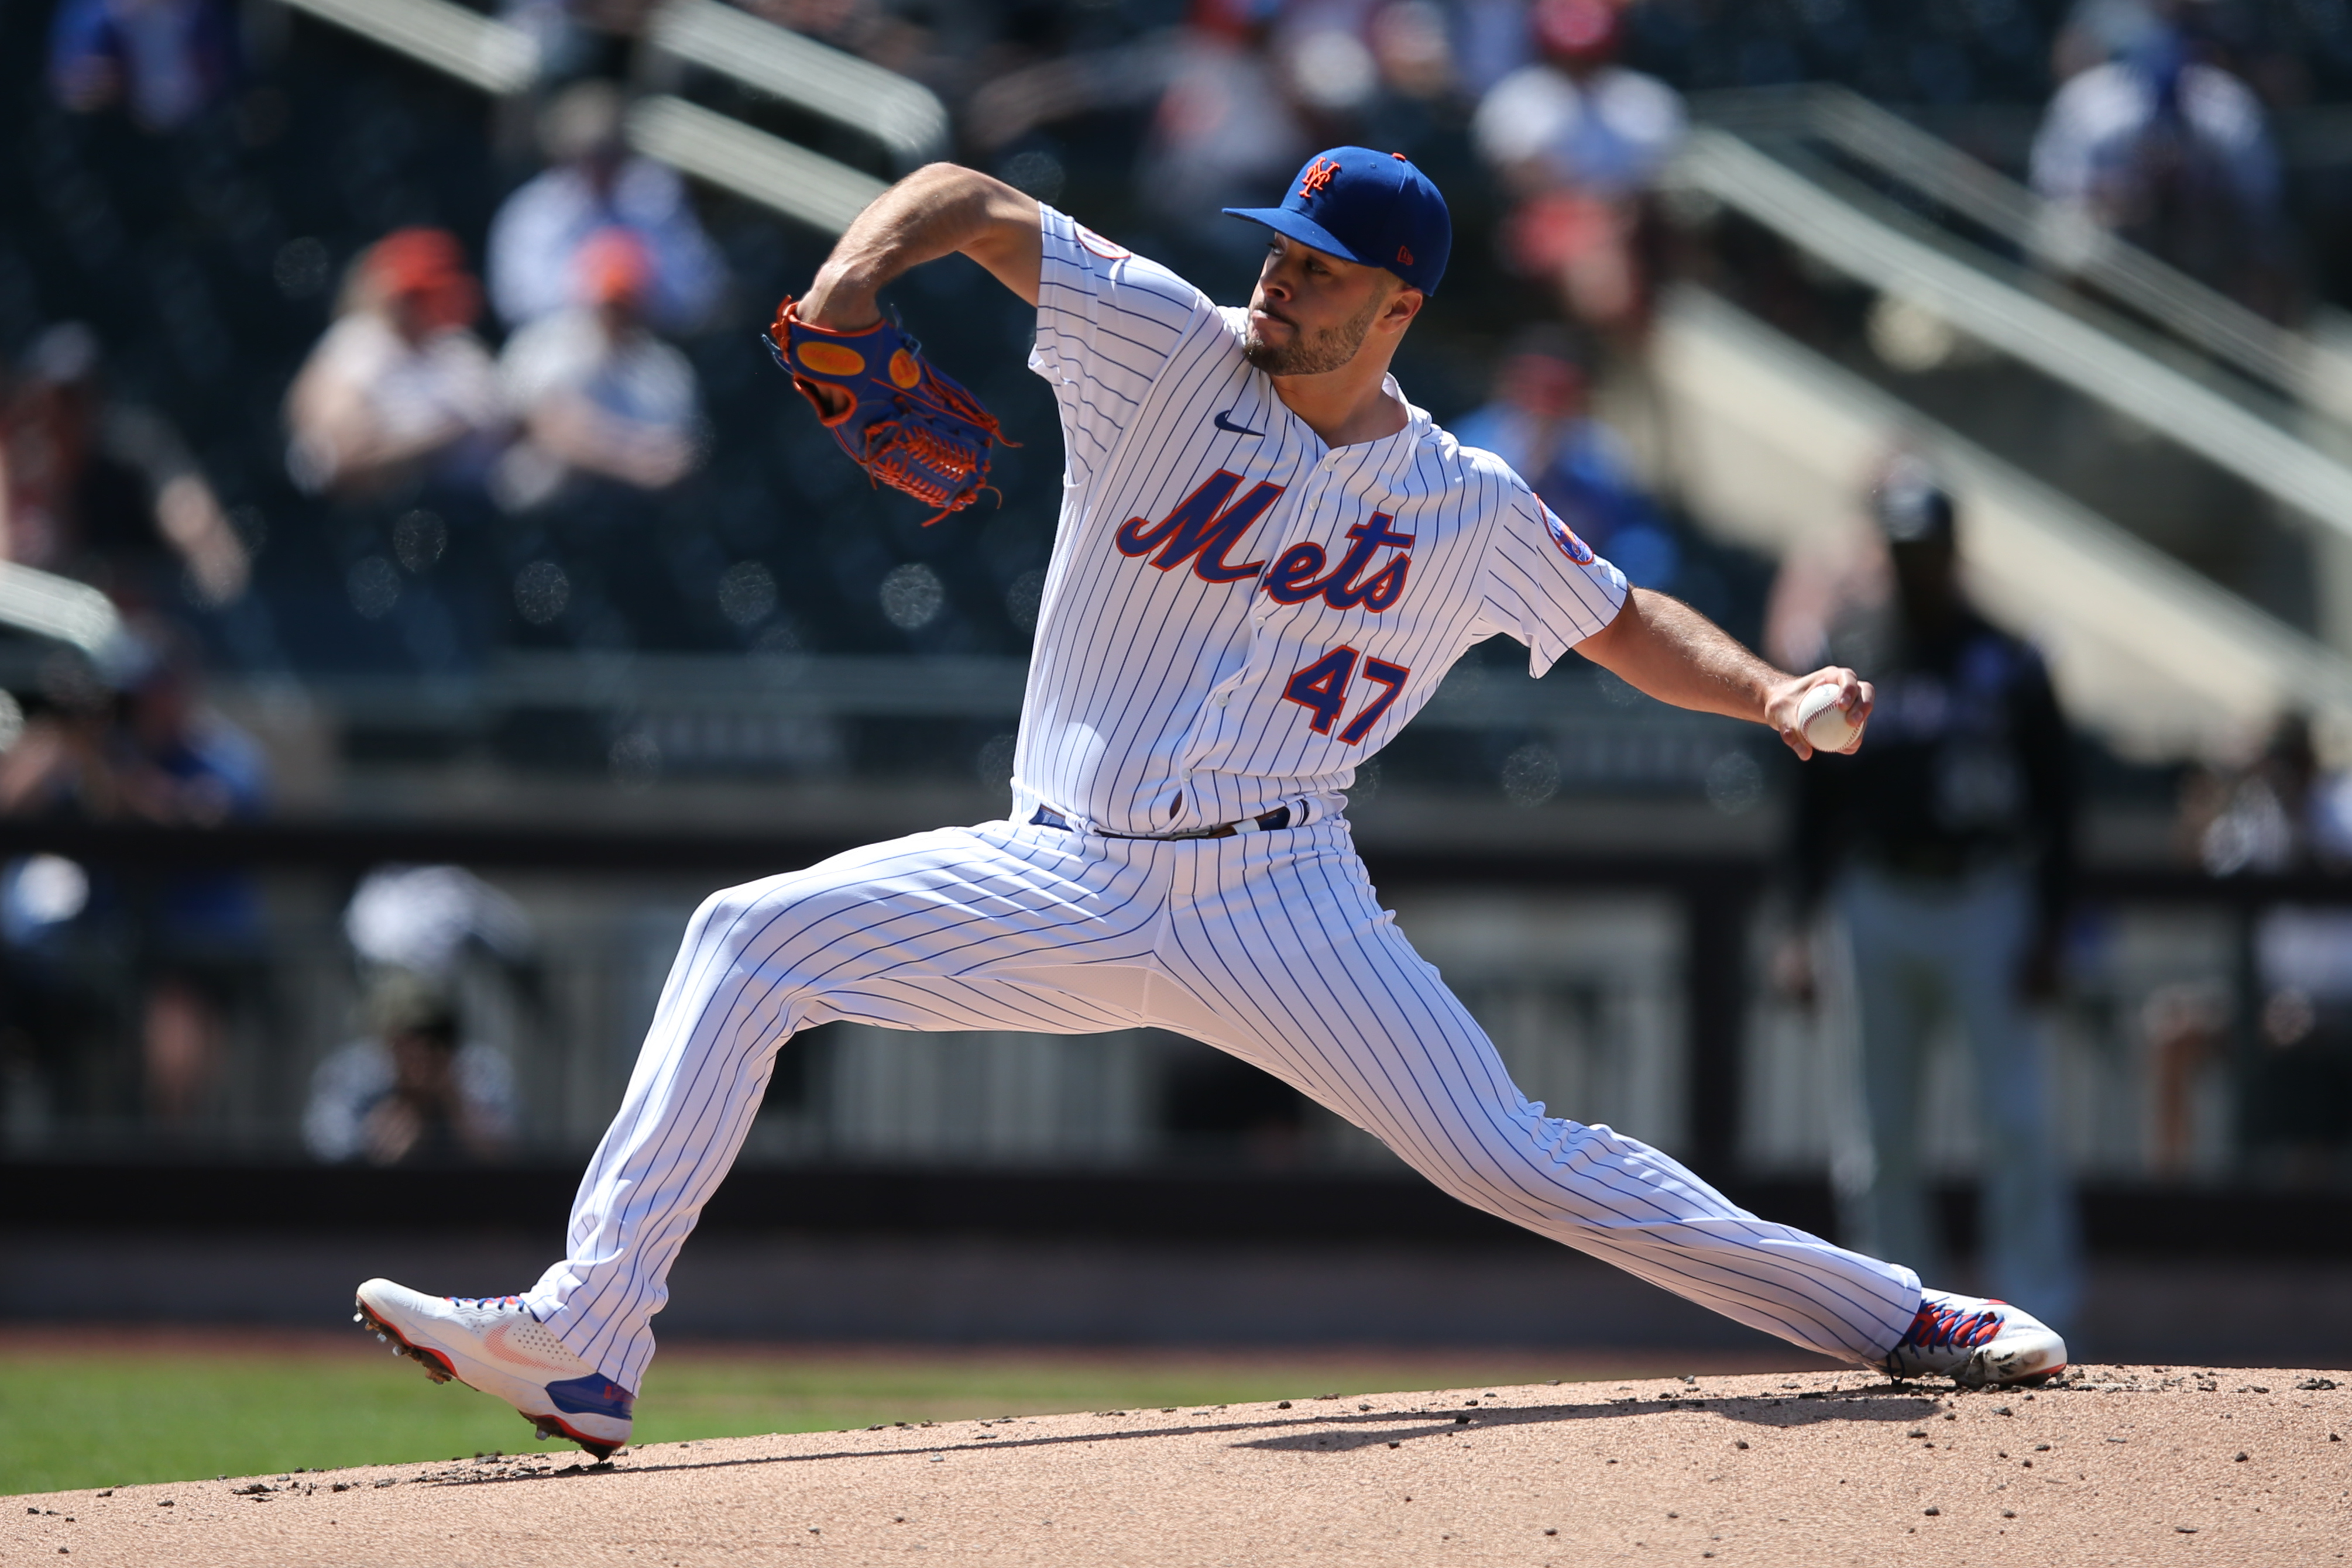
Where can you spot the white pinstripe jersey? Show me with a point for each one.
(1235, 614)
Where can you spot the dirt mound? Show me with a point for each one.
(2116, 1465)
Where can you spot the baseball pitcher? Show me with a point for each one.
(1267, 561)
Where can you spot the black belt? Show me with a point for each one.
(1265, 823)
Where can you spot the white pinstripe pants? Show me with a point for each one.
(1270, 945)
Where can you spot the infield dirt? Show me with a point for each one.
(2121, 1465)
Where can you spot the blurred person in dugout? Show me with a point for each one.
(2296, 1112)
(593, 184)
(1945, 847)
(592, 391)
(86, 946)
(1539, 420)
(2281, 810)
(435, 921)
(413, 1090)
(399, 391)
(443, 934)
(104, 491)
(2152, 138)
(1578, 141)
(2285, 810)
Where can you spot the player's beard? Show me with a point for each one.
(1317, 355)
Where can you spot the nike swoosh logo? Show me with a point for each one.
(1224, 423)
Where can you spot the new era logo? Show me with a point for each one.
(1404, 256)
(1319, 175)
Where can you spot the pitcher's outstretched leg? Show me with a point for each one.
(908, 935)
(1285, 957)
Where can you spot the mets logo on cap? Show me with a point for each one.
(1574, 549)
(1372, 208)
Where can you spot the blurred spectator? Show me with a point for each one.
(2164, 148)
(536, 237)
(424, 920)
(1490, 41)
(592, 391)
(1323, 50)
(166, 60)
(65, 956)
(2297, 1115)
(1240, 93)
(64, 1022)
(2097, 31)
(1225, 129)
(1377, 72)
(1540, 423)
(192, 939)
(410, 1092)
(2186, 1027)
(1947, 843)
(155, 754)
(1415, 51)
(2281, 812)
(105, 491)
(399, 387)
(202, 932)
(1579, 140)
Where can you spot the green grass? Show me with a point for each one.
(74, 1416)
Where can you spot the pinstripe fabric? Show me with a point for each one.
(1270, 945)
(1156, 698)
(1234, 616)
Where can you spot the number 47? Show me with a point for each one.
(1321, 689)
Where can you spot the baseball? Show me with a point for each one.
(1823, 723)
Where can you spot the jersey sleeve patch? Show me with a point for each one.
(1575, 549)
(1099, 245)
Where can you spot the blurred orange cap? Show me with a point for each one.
(615, 266)
(430, 263)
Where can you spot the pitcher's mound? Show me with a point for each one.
(2113, 1465)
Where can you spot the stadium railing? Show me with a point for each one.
(906, 119)
(1827, 130)
(2130, 417)
(1859, 232)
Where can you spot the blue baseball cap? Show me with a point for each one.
(1372, 208)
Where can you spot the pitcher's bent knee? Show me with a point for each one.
(735, 931)
(724, 911)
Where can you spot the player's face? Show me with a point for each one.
(1311, 312)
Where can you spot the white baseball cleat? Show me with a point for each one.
(493, 1344)
(1976, 1343)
